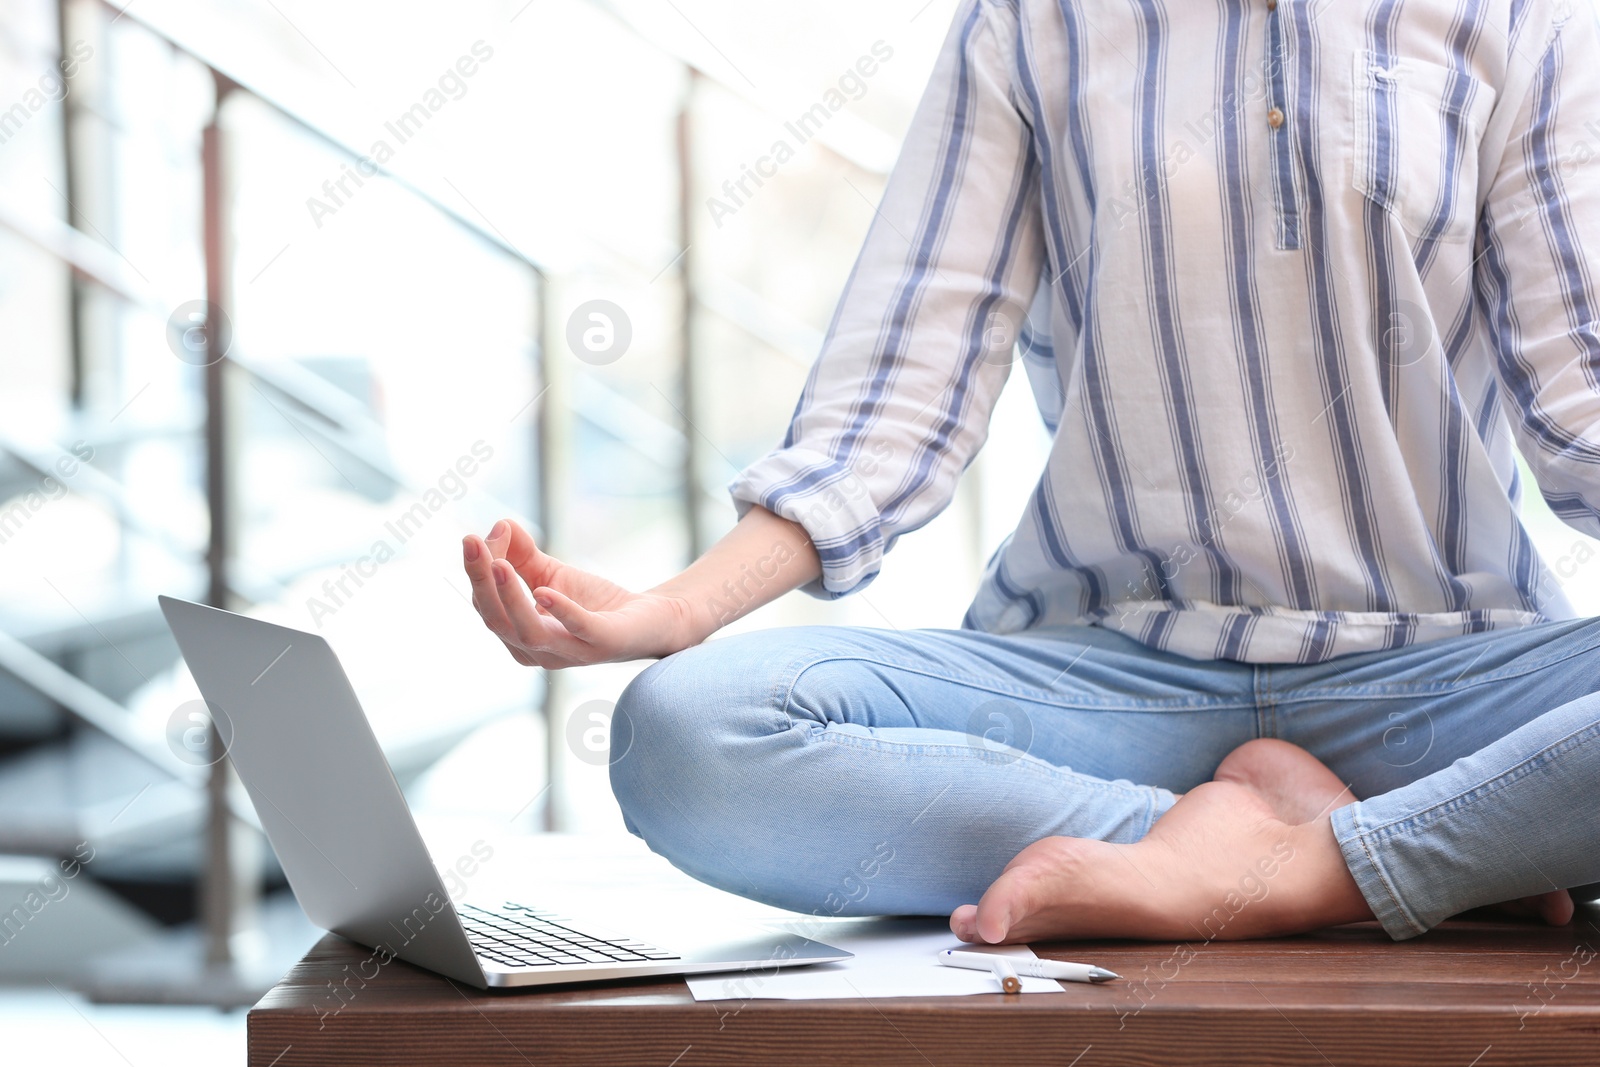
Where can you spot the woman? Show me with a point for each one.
(1289, 281)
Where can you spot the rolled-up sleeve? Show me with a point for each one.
(898, 401)
(1539, 235)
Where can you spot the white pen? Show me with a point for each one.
(1006, 974)
(1033, 968)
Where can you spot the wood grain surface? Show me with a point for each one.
(1469, 994)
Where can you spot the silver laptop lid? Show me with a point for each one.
(327, 799)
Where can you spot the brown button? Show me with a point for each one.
(1272, 5)
(1275, 118)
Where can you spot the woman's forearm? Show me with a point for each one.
(760, 559)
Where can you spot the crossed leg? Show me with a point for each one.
(1251, 854)
(855, 772)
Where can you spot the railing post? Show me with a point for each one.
(693, 448)
(553, 466)
(222, 897)
(71, 176)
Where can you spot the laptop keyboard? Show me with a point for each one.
(519, 936)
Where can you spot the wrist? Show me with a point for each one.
(687, 623)
(760, 559)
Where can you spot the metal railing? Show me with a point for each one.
(93, 264)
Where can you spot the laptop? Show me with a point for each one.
(329, 804)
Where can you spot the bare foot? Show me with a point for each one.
(1555, 908)
(1299, 788)
(1297, 785)
(1220, 863)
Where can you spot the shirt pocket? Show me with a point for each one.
(1416, 131)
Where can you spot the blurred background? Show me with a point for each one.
(294, 295)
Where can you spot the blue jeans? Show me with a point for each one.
(847, 771)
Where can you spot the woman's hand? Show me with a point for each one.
(551, 615)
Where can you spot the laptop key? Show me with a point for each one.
(520, 929)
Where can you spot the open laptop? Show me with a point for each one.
(335, 816)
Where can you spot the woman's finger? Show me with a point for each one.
(510, 542)
(578, 621)
(533, 631)
(479, 564)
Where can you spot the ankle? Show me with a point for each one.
(1321, 890)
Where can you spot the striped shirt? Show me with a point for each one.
(1293, 281)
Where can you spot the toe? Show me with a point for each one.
(964, 922)
(1556, 908)
(1039, 879)
(993, 920)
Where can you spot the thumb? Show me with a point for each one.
(509, 541)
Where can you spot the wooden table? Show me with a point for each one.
(1468, 994)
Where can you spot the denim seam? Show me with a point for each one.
(1151, 814)
(783, 691)
(1266, 706)
(1382, 689)
(1485, 788)
(988, 686)
(1379, 873)
(889, 747)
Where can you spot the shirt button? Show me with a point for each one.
(1272, 5)
(1275, 118)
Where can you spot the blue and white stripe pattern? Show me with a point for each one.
(1292, 282)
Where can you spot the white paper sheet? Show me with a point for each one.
(894, 958)
(619, 876)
